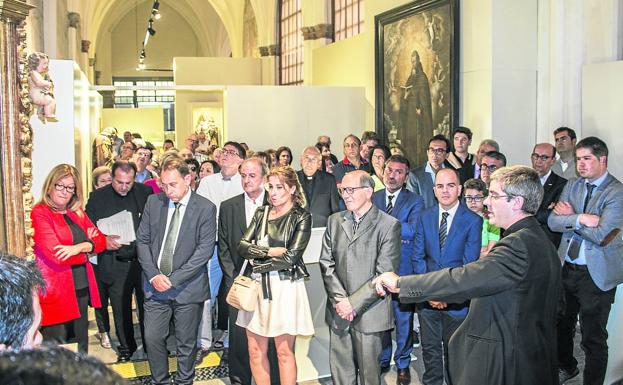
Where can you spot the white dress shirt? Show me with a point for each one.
(250, 207)
(544, 177)
(217, 189)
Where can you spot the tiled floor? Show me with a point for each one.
(212, 367)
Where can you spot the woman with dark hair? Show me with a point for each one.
(193, 166)
(208, 167)
(380, 154)
(327, 163)
(64, 236)
(283, 155)
(274, 243)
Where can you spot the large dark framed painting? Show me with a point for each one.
(417, 74)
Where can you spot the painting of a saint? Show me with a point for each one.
(417, 83)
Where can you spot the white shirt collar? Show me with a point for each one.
(258, 201)
(451, 210)
(544, 177)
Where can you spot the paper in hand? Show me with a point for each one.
(120, 224)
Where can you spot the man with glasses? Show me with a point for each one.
(543, 158)
(565, 139)
(352, 159)
(485, 146)
(118, 272)
(319, 187)
(359, 243)
(421, 178)
(218, 188)
(509, 336)
(405, 206)
(143, 159)
(590, 215)
(490, 162)
(447, 236)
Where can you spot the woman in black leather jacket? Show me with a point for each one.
(274, 244)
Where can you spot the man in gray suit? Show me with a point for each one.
(359, 244)
(175, 241)
(589, 213)
(421, 179)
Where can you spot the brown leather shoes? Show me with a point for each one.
(404, 377)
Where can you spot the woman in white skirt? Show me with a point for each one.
(274, 244)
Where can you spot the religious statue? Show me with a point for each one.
(41, 87)
(207, 125)
(102, 149)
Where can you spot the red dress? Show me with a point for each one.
(58, 302)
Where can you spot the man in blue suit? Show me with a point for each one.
(447, 235)
(405, 206)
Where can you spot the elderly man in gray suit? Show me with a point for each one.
(589, 213)
(359, 244)
(175, 241)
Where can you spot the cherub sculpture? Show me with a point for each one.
(41, 87)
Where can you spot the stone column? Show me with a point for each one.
(15, 133)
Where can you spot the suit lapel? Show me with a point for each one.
(240, 214)
(401, 199)
(457, 225)
(164, 211)
(433, 225)
(187, 220)
(347, 225)
(596, 195)
(367, 223)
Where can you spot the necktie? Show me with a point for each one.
(390, 205)
(443, 230)
(166, 260)
(576, 241)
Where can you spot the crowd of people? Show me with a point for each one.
(495, 262)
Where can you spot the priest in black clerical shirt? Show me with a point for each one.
(319, 186)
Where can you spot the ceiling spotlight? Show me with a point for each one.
(151, 29)
(157, 15)
(156, 6)
(154, 10)
(142, 55)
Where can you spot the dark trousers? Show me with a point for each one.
(74, 331)
(354, 355)
(238, 358)
(119, 293)
(436, 328)
(593, 305)
(403, 319)
(186, 317)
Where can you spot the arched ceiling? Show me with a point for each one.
(203, 15)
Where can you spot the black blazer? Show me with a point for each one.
(231, 226)
(105, 202)
(325, 199)
(552, 190)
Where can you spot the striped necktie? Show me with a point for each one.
(443, 230)
(390, 205)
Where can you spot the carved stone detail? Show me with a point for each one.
(74, 19)
(319, 31)
(85, 45)
(270, 50)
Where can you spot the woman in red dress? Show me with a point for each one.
(64, 236)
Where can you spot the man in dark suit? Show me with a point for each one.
(118, 272)
(405, 206)
(447, 235)
(359, 243)
(175, 241)
(235, 215)
(509, 335)
(590, 215)
(543, 158)
(421, 179)
(319, 187)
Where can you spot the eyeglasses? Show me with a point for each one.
(143, 154)
(490, 167)
(543, 158)
(496, 197)
(193, 168)
(474, 198)
(230, 152)
(437, 151)
(349, 190)
(61, 187)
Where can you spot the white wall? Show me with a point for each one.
(269, 116)
(602, 116)
(68, 140)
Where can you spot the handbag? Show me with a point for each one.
(244, 291)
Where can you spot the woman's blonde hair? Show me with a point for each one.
(99, 171)
(287, 175)
(57, 173)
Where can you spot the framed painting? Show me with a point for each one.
(417, 74)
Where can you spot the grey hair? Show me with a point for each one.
(521, 181)
(257, 160)
(492, 143)
(366, 181)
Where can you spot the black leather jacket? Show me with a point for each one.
(292, 231)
